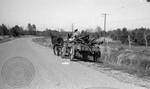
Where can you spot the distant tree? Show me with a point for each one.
(1, 31)
(139, 36)
(29, 27)
(118, 33)
(124, 36)
(98, 29)
(115, 34)
(32, 29)
(16, 31)
(98, 32)
(4, 30)
(47, 32)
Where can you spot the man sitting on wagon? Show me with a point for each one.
(75, 34)
(70, 38)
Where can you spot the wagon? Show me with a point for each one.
(79, 47)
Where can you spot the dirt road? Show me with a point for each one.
(27, 65)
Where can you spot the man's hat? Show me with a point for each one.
(75, 30)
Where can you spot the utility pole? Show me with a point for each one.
(105, 21)
(105, 14)
(72, 27)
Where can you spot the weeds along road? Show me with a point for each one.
(27, 65)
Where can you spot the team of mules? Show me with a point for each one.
(57, 43)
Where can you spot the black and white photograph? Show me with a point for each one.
(74, 44)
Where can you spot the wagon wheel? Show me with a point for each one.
(147, 69)
(55, 50)
(59, 51)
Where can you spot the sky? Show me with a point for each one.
(57, 14)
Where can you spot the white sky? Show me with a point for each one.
(58, 14)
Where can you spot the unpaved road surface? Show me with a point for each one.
(27, 65)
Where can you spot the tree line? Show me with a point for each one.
(138, 36)
(17, 31)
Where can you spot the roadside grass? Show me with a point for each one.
(44, 41)
(135, 61)
(5, 39)
(9, 38)
(124, 46)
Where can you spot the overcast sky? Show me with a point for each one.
(83, 14)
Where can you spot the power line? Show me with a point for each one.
(72, 26)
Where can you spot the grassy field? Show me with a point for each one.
(135, 61)
(44, 41)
